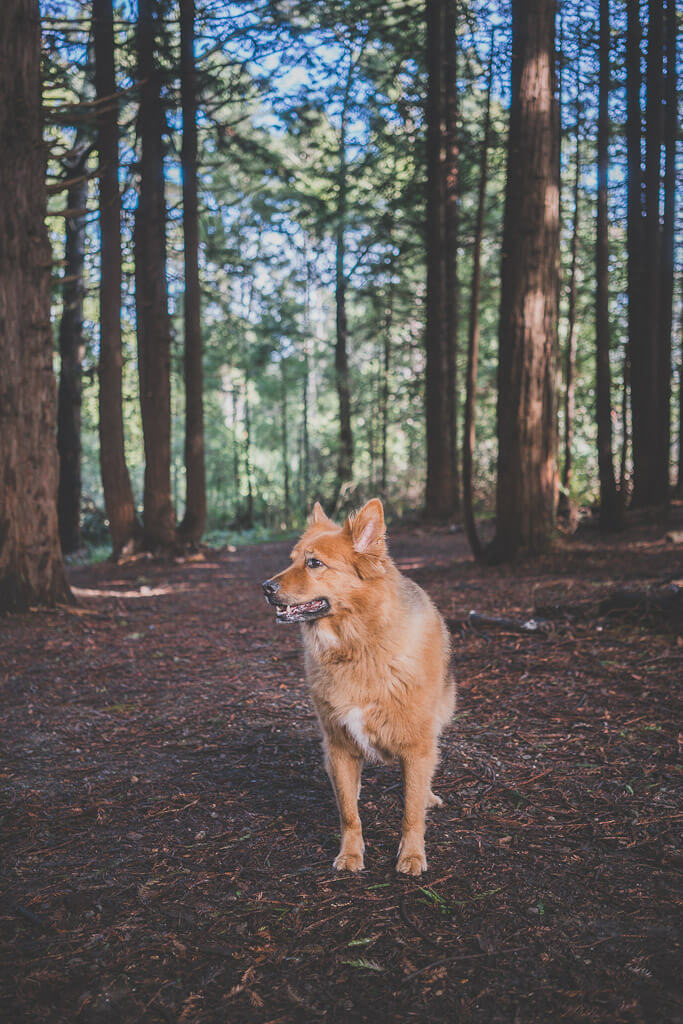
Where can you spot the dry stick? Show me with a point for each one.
(473, 332)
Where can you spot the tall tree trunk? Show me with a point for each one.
(118, 493)
(384, 386)
(71, 348)
(473, 331)
(650, 459)
(527, 481)
(249, 521)
(609, 500)
(341, 362)
(450, 217)
(570, 354)
(664, 367)
(194, 521)
(439, 369)
(151, 296)
(31, 568)
(284, 435)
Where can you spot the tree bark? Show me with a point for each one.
(570, 355)
(31, 567)
(473, 331)
(527, 480)
(118, 494)
(440, 364)
(194, 521)
(664, 367)
(610, 517)
(341, 362)
(151, 295)
(285, 436)
(450, 217)
(71, 348)
(650, 458)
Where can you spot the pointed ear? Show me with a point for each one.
(318, 515)
(368, 529)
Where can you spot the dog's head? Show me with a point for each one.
(331, 567)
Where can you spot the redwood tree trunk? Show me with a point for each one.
(527, 483)
(118, 494)
(473, 331)
(151, 295)
(609, 499)
(31, 568)
(439, 370)
(194, 521)
(71, 347)
(450, 218)
(664, 368)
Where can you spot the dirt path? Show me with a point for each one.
(168, 829)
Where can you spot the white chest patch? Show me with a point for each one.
(354, 724)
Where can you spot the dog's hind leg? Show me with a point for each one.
(433, 800)
(344, 771)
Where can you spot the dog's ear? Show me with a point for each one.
(368, 529)
(318, 516)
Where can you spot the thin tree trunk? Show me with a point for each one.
(235, 453)
(71, 348)
(664, 366)
(570, 355)
(341, 363)
(609, 500)
(650, 458)
(285, 438)
(527, 479)
(450, 216)
(384, 392)
(473, 330)
(305, 386)
(438, 370)
(151, 296)
(31, 568)
(635, 229)
(194, 521)
(118, 493)
(247, 455)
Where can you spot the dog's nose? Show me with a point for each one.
(270, 588)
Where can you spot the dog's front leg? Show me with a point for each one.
(344, 771)
(417, 769)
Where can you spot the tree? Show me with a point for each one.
(151, 294)
(118, 493)
(527, 483)
(670, 129)
(31, 567)
(473, 330)
(440, 331)
(71, 346)
(194, 521)
(609, 500)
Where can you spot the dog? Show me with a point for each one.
(377, 661)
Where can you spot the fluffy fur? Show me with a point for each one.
(377, 658)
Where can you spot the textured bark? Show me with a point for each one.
(151, 295)
(610, 517)
(440, 362)
(341, 360)
(31, 568)
(450, 218)
(527, 480)
(284, 435)
(194, 521)
(473, 331)
(570, 354)
(71, 348)
(650, 462)
(664, 367)
(118, 493)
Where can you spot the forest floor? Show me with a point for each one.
(168, 829)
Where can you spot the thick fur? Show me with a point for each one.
(378, 666)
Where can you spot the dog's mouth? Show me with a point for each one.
(305, 612)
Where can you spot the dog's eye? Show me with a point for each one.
(314, 563)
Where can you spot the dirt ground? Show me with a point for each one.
(168, 829)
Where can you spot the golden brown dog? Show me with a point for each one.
(377, 657)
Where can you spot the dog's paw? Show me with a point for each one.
(434, 800)
(412, 863)
(348, 862)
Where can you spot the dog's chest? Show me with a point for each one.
(353, 722)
